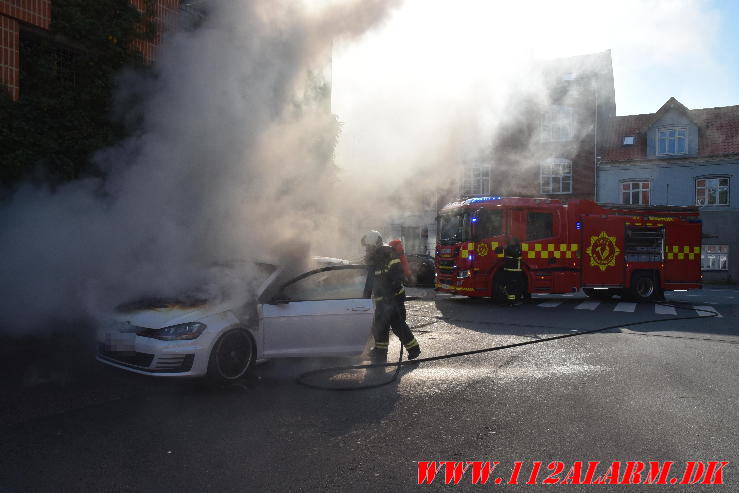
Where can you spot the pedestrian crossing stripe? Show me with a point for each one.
(627, 307)
(547, 250)
(681, 252)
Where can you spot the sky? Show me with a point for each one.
(440, 71)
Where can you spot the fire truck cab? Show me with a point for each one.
(605, 249)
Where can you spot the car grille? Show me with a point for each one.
(130, 358)
(174, 363)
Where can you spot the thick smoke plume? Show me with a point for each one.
(232, 161)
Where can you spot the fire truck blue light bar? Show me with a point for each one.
(482, 199)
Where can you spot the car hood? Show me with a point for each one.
(156, 315)
(157, 318)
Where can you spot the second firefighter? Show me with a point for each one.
(386, 275)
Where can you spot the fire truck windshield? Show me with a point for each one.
(453, 227)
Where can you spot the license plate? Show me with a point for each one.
(446, 286)
(120, 342)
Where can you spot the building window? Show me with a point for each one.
(557, 124)
(672, 140)
(629, 140)
(476, 181)
(556, 176)
(635, 192)
(712, 191)
(715, 257)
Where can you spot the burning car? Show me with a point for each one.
(326, 311)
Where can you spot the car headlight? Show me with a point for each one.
(179, 332)
(463, 274)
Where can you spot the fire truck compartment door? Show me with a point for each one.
(602, 253)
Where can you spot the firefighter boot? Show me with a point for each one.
(378, 356)
(414, 350)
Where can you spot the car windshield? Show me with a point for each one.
(453, 227)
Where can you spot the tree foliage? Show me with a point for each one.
(67, 78)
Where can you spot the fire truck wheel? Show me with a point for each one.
(499, 289)
(643, 287)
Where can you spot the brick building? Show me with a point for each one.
(19, 15)
(550, 143)
(14, 14)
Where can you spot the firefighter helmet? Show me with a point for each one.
(372, 239)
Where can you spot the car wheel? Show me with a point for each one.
(232, 356)
(643, 287)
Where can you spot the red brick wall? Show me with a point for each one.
(36, 12)
(9, 60)
(161, 10)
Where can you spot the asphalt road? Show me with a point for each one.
(655, 392)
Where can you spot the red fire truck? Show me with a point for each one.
(604, 249)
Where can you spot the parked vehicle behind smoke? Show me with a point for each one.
(422, 270)
(326, 311)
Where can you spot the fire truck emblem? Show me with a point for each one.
(482, 249)
(602, 251)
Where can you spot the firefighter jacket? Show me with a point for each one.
(386, 274)
(512, 261)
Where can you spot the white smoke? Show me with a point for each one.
(232, 161)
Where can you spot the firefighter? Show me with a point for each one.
(513, 273)
(386, 277)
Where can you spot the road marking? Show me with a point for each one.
(625, 307)
(664, 310)
(705, 309)
(549, 304)
(568, 294)
(588, 305)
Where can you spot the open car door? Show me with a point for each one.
(324, 312)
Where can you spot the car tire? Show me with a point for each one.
(643, 287)
(232, 356)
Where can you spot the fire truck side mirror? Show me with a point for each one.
(499, 249)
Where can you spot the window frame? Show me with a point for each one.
(718, 189)
(676, 137)
(639, 191)
(557, 117)
(282, 293)
(552, 224)
(550, 176)
(718, 255)
(470, 182)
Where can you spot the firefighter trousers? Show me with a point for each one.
(391, 314)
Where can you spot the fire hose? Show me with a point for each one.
(302, 378)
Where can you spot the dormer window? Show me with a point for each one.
(629, 140)
(672, 141)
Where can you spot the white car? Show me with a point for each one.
(323, 312)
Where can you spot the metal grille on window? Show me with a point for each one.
(715, 257)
